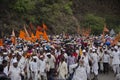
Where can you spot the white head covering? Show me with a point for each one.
(116, 47)
(35, 57)
(15, 61)
(5, 53)
(84, 51)
(93, 50)
(48, 54)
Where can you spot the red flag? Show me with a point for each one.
(31, 26)
(39, 28)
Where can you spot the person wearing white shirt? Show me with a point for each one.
(116, 61)
(15, 71)
(21, 63)
(62, 69)
(106, 60)
(34, 66)
(95, 64)
(51, 61)
(80, 71)
(42, 68)
(85, 58)
(5, 65)
(100, 54)
(27, 67)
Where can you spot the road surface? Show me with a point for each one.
(109, 76)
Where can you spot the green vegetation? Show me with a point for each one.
(59, 15)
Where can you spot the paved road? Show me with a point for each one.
(109, 76)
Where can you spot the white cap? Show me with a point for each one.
(48, 54)
(116, 47)
(14, 60)
(5, 53)
(84, 51)
(35, 57)
(93, 50)
(37, 48)
(13, 54)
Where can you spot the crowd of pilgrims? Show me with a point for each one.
(69, 58)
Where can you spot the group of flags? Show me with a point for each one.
(40, 32)
(84, 31)
(29, 36)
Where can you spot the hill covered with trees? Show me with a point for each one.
(59, 15)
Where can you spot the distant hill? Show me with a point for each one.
(59, 15)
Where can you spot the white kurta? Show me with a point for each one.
(22, 63)
(42, 66)
(86, 63)
(51, 62)
(34, 68)
(116, 59)
(95, 63)
(80, 72)
(6, 70)
(28, 68)
(62, 69)
(15, 73)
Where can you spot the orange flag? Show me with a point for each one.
(105, 29)
(44, 27)
(1, 42)
(117, 38)
(13, 38)
(45, 36)
(38, 34)
(22, 34)
(33, 38)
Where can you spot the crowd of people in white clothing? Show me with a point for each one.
(61, 58)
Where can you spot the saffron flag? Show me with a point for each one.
(44, 27)
(33, 38)
(38, 34)
(22, 34)
(117, 38)
(45, 36)
(13, 38)
(1, 42)
(105, 29)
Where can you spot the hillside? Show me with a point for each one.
(59, 15)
